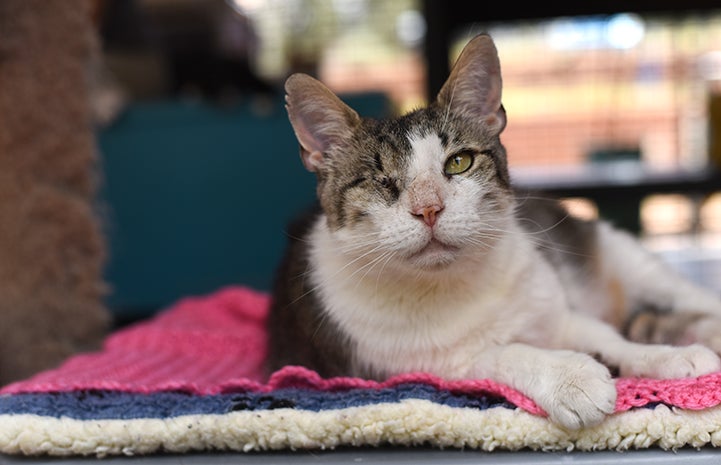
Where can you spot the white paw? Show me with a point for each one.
(666, 362)
(579, 391)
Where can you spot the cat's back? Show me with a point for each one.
(562, 237)
(581, 253)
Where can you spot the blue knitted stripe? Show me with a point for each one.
(104, 405)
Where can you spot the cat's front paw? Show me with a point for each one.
(666, 362)
(580, 393)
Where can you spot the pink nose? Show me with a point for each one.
(429, 214)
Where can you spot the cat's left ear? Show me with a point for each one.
(473, 90)
(319, 118)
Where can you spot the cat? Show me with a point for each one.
(422, 257)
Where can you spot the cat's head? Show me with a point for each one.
(422, 190)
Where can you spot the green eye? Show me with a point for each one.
(458, 163)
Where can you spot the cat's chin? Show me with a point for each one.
(435, 255)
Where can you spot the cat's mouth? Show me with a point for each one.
(435, 254)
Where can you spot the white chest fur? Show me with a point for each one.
(435, 322)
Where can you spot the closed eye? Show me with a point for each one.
(391, 185)
(356, 182)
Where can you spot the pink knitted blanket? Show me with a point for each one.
(217, 343)
(214, 346)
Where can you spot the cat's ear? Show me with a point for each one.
(473, 89)
(319, 118)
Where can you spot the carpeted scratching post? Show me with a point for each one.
(51, 248)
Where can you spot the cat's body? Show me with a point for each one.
(423, 258)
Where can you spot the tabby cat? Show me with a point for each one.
(423, 257)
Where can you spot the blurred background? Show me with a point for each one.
(614, 106)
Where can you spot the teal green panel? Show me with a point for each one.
(197, 197)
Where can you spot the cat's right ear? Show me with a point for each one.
(319, 118)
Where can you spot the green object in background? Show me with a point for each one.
(197, 197)
(626, 215)
(615, 154)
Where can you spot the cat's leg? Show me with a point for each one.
(661, 361)
(679, 328)
(574, 389)
(646, 279)
(664, 307)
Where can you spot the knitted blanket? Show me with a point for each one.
(191, 379)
